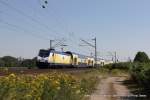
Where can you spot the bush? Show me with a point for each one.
(141, 57)
(121, 65)
(30, 63)
(141, 73)
(9, 61)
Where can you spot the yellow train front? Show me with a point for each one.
(51, 58)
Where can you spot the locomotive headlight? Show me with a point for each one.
(46, 59)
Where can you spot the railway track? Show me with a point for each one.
(24, 70)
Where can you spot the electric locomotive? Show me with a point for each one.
(51, 58)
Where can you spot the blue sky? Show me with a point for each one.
(119, 25)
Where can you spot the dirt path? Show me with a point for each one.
(111, 88)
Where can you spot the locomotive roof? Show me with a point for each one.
(65, 53)
(59, 52)
(54, 51)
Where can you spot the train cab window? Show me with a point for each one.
(44, 53)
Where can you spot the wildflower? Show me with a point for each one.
(58, 88)
(12, 75)
(78, 91)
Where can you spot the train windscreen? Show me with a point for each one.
(44, 53)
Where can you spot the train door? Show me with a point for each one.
(92, 63)
(75, 61)
(89, 62)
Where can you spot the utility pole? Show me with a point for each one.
(51, 47)
(115, 57)
(95, 51)
(94, 46)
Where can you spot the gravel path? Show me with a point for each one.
(111, 88)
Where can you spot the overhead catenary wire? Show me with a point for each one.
(70, 38)
(24, 30)
(58, 18)
(29, 17)
(57, 42)
(19, 26)
(41, 2)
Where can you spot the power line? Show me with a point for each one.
(24, 30)
(30, 17)
(114, 56)
(22, 13)
(10, 15)
(37, 36)
(57, 18)
(94, 46)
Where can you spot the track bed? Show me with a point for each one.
(24, 70)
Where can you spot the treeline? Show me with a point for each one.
(9, 61)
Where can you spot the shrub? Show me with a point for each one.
(121, 65)
(140, 72)
(141, 57)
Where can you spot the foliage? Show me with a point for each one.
(28, 63)
(141, 57)
(41, 87)
(141, 73)
(2, 63)
(8, 61)
(88, 84)
(4, 69)
(51, 86)
(121, 65)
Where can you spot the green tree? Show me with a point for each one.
(9, 61)
(141, 57)
(30, 63)
(2, 63)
